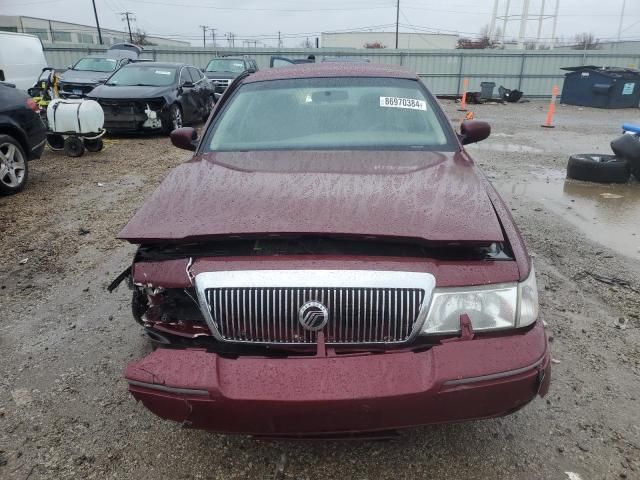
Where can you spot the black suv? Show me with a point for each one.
(222, 70)
(22, 137)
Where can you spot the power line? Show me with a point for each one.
(297, 10)
(274, 36)
(95, 12)
(397, 20)
(126, 15)
(213, 36)
(204, 33)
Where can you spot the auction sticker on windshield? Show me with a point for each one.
(163, 72)
(398, 102)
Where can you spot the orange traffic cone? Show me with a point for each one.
(552, 108)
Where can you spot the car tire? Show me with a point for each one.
(593, 167)
(174, 119)
(74, 146)
(208, 108)
(55, 141)
(14, 168)
(94, 144)
(627, 147)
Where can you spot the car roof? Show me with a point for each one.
(331, 69)
(159, 64)
(231, 57)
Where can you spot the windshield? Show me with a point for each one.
(225, 65)
(330, 113)
(96, 65)
(144, 75)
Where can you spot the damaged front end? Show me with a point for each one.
(239, 354)
(133, 115)
(165, 299)
(171, 316)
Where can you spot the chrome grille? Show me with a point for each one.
(356, 315)
(223, 82)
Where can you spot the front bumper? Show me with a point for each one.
(75, 90)
(344, 394)
(130, 116)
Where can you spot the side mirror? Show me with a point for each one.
(102, 81)
(185, 138)
(473, 131)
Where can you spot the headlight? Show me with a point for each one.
(492, 307)
(528, 300)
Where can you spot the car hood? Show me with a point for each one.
(437, 197)
(220, 75)
(77, 76)
(112, 91)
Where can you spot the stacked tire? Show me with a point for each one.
(616, 168)
(627, 147)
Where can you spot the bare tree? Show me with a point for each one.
(374, 45)
(586, 41)
(307, 43)
(483, 41)
(140, 38)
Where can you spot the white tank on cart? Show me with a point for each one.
(75, 116)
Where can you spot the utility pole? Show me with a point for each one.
(204, 35)
(492, 28)
(540, 20)
(505, 20)
(126, 15)
(213, 36)
(95, 12)
(624, 4)
(279, 40)
(555, 25)
(397, 20)
(523, 23)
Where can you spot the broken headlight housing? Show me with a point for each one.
(491, 307)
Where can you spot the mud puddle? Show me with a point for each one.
(607, 214)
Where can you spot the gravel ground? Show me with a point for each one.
(65, 412)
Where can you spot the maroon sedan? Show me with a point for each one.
(330, 262)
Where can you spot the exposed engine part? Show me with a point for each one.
(119, 279)
(153, 120)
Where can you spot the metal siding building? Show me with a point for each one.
(65, 33)
(535, 72)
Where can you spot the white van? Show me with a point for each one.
(21, 59)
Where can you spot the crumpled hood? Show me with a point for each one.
(113, 91)
(421, 195)
(77, 76)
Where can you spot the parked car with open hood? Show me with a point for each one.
(332, 261)
(88, 72)
(154, 96)
(222, 70)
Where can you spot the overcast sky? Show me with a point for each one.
(262, 19)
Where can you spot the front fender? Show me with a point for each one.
(8, 126)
